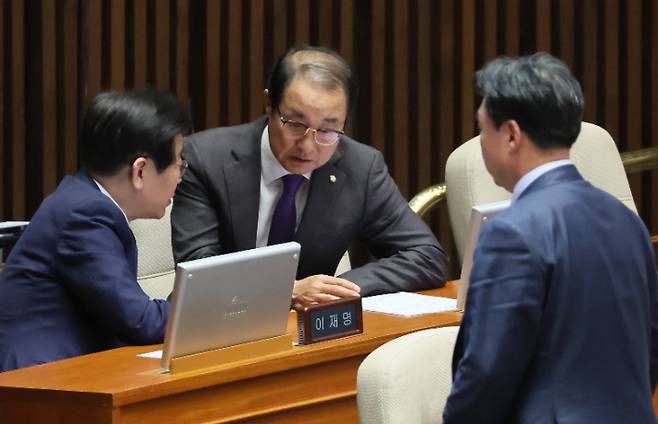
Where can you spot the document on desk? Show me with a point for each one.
(157, 354)
(408, 304)
(13, 224)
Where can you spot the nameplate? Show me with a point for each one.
(330, 320)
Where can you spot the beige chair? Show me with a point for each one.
(155, 259)
(344, 265)
(594, 153)
(408, 379)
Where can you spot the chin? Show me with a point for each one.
(160, 214)
(300, 168)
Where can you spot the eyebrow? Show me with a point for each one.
(300, 115)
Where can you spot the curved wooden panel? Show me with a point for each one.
(414, 59)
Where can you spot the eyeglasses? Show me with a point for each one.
(183, 165)
(322, 136)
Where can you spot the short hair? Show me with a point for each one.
(118, 127)
(318, 64)
(538, 92)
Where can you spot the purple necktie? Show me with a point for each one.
(285, 215)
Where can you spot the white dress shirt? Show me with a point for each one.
(105, 192)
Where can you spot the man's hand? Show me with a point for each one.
(321, 288)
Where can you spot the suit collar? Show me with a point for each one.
(250, 145)
(243, 174)
(87, 179)
(533, 174)
(563, 174)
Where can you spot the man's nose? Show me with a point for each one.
(307, 143)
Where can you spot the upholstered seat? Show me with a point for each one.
(408, 379)
(155, 260)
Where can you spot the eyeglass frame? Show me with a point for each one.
(285, 121)
(183, 166)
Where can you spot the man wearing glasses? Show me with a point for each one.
(294, 175)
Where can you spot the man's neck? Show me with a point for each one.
(537, 157)
(119, 189)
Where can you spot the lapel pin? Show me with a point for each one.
(332, 178)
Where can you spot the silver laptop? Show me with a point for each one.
(230, 299)
(480, 214)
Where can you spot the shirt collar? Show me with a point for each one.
(531, 176)
(105, 192)
(271, 168)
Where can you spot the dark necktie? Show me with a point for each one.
(285, 215)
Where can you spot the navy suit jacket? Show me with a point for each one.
(561, 320)
(216, 211)
(70, 286)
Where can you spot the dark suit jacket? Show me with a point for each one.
(70, 286)
(561, 320)
(216, 211)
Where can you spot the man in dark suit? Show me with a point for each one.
(344, 193)
(561, 319)
(70, 284)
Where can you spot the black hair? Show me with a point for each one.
(538, 92)
(319, 64)
(118, 127)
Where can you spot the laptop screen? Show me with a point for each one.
(230, 299)
(479, 216)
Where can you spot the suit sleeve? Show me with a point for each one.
(653, 291)
(501, 320)
(194, 221)
(409, 256)
(93, 265)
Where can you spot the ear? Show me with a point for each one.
(514, 133)
(137, 173)
(267, 103)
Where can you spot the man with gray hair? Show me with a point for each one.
(561, 321)
(294, 175)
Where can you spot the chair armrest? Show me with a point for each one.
(428, 199)
(640, 160)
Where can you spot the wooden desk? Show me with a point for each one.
(310, 384)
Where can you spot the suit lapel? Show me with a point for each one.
(242, 178)
(326, 184)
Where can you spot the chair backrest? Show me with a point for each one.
(594, 153)
(155, 259)
(408, 379)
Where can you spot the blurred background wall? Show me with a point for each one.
(414, 59)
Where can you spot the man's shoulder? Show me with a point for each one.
(356, 154)
(77, 195)
(354, 146)
(74, 189)
(225, 138)
(575, 204)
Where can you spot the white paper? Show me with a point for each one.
(13, 224)
(156, 354)
(408, 304)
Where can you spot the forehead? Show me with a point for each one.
(306, 96)
(482, 114)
